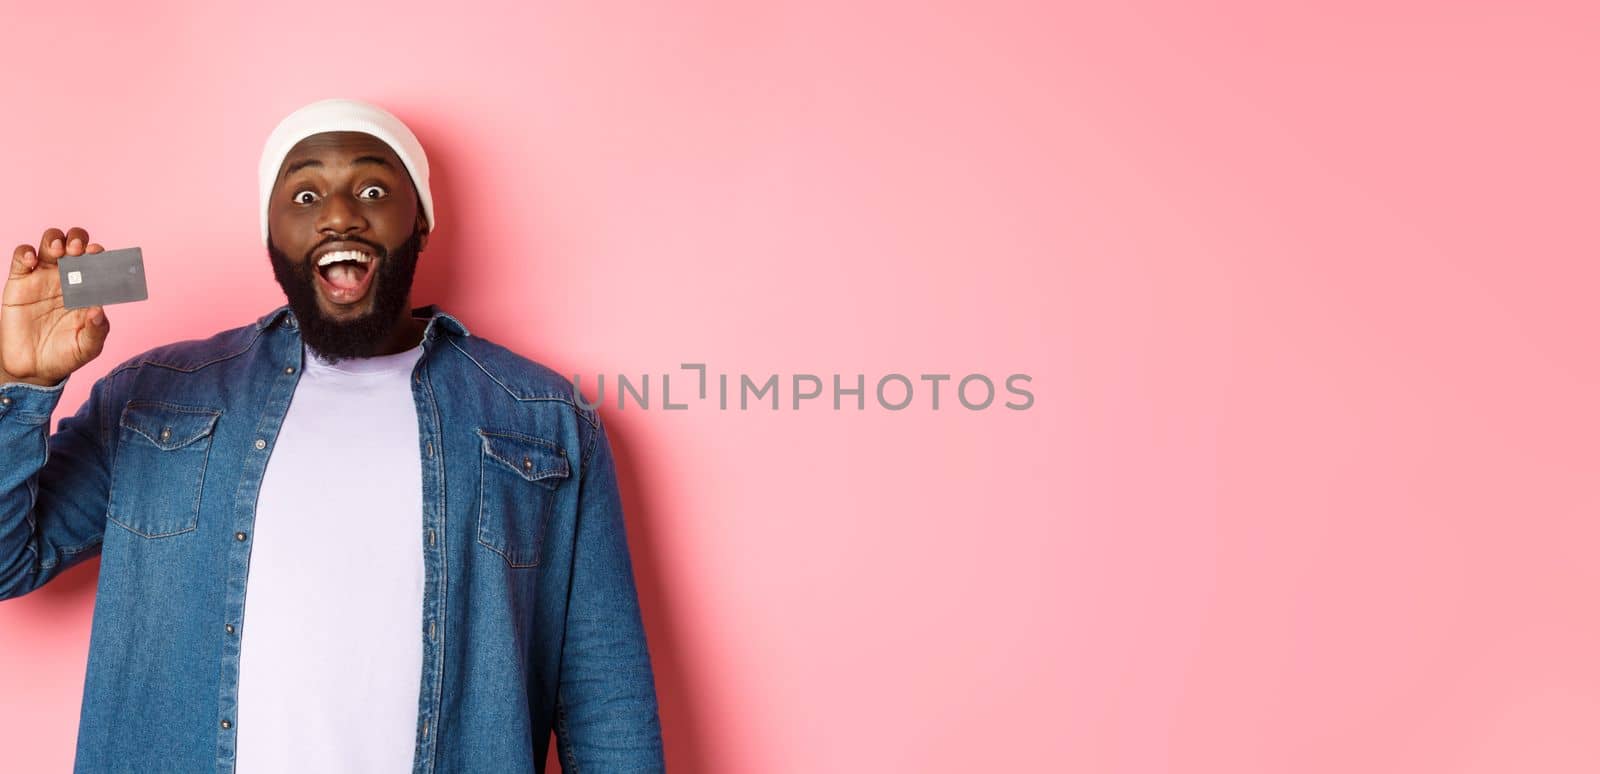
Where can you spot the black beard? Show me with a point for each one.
(363, 336)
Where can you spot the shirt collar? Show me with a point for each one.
(436, 318)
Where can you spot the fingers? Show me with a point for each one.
(23, 260)
(77, 239)
(52, 246)
(55, 243)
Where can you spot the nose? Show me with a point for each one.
(340, 215)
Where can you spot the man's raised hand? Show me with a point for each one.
(41, 341)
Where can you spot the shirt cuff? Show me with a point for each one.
(29, 401)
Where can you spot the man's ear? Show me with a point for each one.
(422, 229)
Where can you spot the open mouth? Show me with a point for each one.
(345, 275)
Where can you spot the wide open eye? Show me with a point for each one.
(296, 197)
(380, 189)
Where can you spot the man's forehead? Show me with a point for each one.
(338, 140)
(339, 148)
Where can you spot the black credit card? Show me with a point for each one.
(111, 277)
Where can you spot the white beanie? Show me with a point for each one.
(343, 115)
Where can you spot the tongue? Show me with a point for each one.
(346, 276)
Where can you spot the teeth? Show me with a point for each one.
(344, 255)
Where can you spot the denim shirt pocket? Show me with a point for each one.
(160, 466)
(518, 476)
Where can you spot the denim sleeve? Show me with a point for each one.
(606, 714)
(53, 488)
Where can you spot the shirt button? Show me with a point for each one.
(5, 400)
(261, 444)
(229, 628)
(239, 536)
(226, 724)
(166, 432)
(288, 369)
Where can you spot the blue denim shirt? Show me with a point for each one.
(530, 612)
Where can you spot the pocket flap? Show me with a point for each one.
(535, 459)
(167, 425)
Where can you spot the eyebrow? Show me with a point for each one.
(303, 163)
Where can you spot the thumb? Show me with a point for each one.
(92, 336)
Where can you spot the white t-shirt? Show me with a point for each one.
(331, 656)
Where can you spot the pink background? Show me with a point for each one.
(1307, 296)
